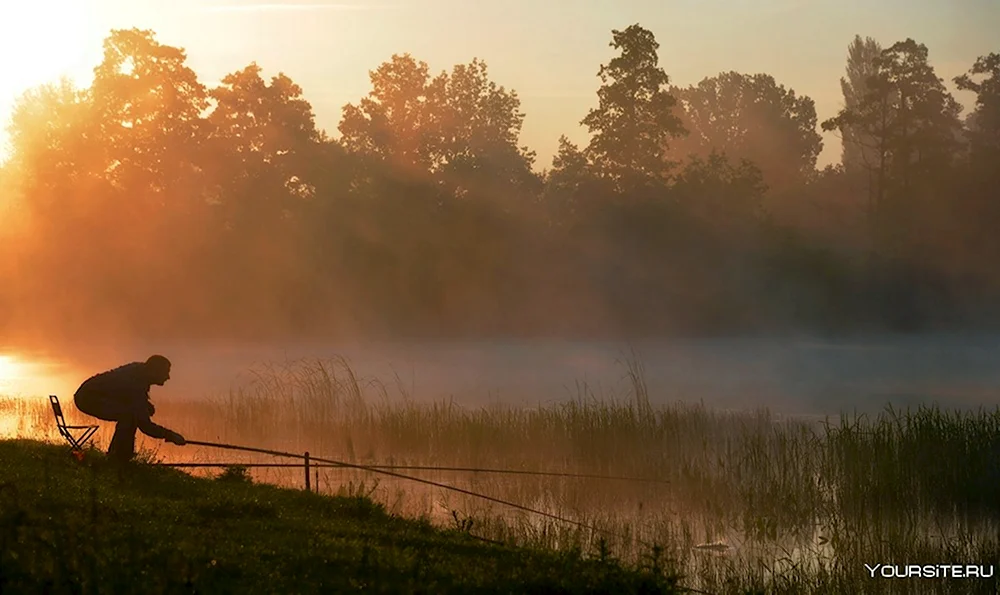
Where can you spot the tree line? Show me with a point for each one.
(149, 203)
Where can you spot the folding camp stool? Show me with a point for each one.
(76, 442)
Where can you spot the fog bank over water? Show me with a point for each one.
(796, 376)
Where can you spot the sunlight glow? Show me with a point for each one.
(10, 371)
(41, 41)
(27, 376)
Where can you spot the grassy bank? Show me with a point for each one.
(89, 527)
(754, 502)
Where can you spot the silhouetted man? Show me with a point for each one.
(122, 395)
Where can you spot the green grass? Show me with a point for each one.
(91, 527)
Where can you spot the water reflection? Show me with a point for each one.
(10, 372)
(29, 375)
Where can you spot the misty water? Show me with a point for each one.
(797, 376)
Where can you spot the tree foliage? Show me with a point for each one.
(459, 128)
(984, 122)
(751, 117)
(264, 145)
(634, 121)
(395, 121)
(862, 67)
(166, 206)
(148, 106)
(914, 130)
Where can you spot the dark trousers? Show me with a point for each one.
(129, 415)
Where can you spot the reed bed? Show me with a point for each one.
(755, 502)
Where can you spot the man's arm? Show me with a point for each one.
(154, 430)
(143, 410)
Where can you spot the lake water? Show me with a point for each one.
(794, 376)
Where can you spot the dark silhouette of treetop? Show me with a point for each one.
(634, 122)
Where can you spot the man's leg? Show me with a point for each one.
(101, 406)
(128, 415)
(122, 446)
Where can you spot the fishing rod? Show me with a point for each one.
(390, 473)
(384, 471)
(519, 472)
(485, 470)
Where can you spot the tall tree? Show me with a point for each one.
(149, 106)
(569, 174)
(571, 186)
(53, 148)
(266, 157)
(634, 121)
(928, 128)
(979, 204)
(984, 121)
(460, 128)
(569, 168)
(395, 122)
(265, 145)
(914, 126)
(57, 170)
(858, 148)
(751, 117)
(480, 126)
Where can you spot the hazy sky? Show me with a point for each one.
(547, 50)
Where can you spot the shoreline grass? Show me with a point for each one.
(91, 527)
(755, 502)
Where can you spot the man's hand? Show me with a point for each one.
(175, 438)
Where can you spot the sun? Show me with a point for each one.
(41, 41)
